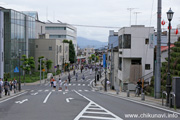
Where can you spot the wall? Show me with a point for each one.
(1, 44)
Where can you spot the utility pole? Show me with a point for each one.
(112, 68)
(136, 16)
(63, 57)
(158, 54)
(130, 9)
(19, 70)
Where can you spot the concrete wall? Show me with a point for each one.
(55, 54)
(1, 44)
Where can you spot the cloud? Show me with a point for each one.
(97, 12)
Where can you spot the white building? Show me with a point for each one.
(58, 31)
(88, 52)
(1, 44)
(136, 54)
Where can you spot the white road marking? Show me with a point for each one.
(12, 97)
(59, 90)
(69, 84)
(68, 99)
(45, 100)
(80, 115)
(64, 93)
(96, 112)
(20, 102)
(34, 93)
(83, 84)
(74, 84)
(79, 90)
(88, 84)
(32, 90)
(53, 90)
(79, 84)
(67, 90)
(46, 90)
(39, 90)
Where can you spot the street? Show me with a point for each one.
(79, 102)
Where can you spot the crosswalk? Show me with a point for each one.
(47, 90)
(78, 84)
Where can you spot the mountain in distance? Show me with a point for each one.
(84, 42)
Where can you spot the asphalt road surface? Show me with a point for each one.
(79, 102)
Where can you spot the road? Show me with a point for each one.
(79, 102)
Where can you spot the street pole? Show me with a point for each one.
(40, 71)
(111, 65)
(158, 54)
(105, 82)
(168, 82)
(19, 70)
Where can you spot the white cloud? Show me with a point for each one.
(97, 12)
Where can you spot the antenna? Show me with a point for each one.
(136, 16)
(49, 21)
(59, 21)
(130, 9)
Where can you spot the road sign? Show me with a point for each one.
(43, 70)
(55, 66)
(104, 60)
(16, 70)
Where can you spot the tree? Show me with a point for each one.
(25, 65)
(48, 65)
(42, 63)
(72, 55)
(31, 63)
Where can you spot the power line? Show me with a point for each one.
(94, 26)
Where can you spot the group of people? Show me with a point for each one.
(54, 83)
(8, 86)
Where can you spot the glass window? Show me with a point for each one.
(57, 36)
(120, 42)
(50, 47)
(127, 41)
(120, 63)
(147, 41)
(147, 66)
(55, 28)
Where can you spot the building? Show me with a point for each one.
(136, 54)
(19, 34)
(87, 53)
(54, 50)
(1, 44)
(58, 31)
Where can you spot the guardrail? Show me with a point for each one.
(172, 94)
(164, 93)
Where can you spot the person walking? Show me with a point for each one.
(65, 84)
(15, 84)
(11, 85)
(54, 84)
(6, 87)
(1, 87)
(60, 84)
(69, 78)
(51, 81)
(83, 77)
(76, 76)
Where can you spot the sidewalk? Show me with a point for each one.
(123, 95)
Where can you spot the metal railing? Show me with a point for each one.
(172, 94)
(163, 93)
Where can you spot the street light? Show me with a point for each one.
(168, 82)
(19, 70)
(41, 69)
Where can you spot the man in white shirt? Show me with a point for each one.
(1, 85)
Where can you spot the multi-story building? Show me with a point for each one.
(136, 54)
(54, 50)
(18, 34)
(88, 52)
(58, 31)
(1, 44)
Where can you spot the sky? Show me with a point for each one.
(112, 13)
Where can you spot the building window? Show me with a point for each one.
(36, 46)
(127, 41)
(147, 66)
(147, 41)
(120, 41)
(120, 63)
(136, 61)
(60, 49)
(55, 28)
(50, 47)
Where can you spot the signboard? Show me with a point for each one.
(151, 40)
(43, 70)
(55, 66)
(16, 70)
(104, 60)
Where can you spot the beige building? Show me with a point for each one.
(52, 49)
(87, 53)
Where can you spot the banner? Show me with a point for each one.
(104, 60)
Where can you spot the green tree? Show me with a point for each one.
(42, 63)
(31, 63)
(72, 55)
(25, 65)
(93, 57)
(48, 65)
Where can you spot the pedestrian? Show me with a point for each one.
(90, 71)
(54, 84)
(6, 87)
(51, 81)
(76, 76)
(69, 78)
(11, 85)
(74, 72)
(60, 84)
(65, 84)
(15, 84)
(1, 86)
